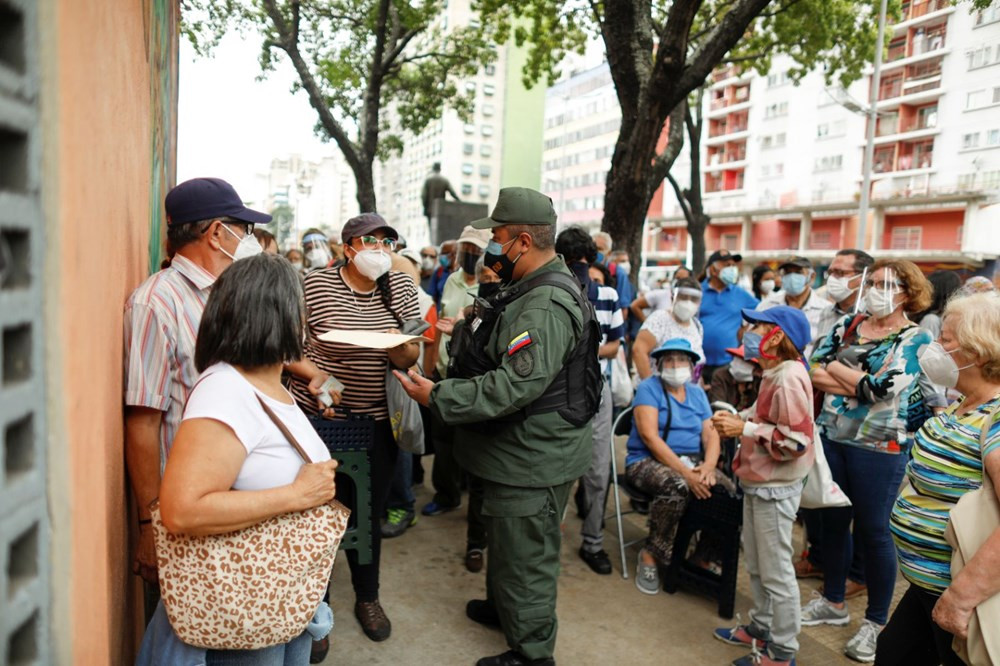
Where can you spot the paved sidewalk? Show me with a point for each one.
(602, 619)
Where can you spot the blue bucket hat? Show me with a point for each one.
(677, 344)
(788, 319)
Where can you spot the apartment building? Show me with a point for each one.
(782, 163)
(321, 192)
(499, 145)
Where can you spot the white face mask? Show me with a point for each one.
(766, 287)
(742, 371)
(625, 266)
(297, 265)
(247, 247)
(879, 304)
(428, 263)
(939, 366)
(839, 288)
(373, 264)
(317, 258)
(675, 377)
(684, 310)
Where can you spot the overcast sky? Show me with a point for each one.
(230, 125)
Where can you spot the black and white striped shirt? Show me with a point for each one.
(331, 304)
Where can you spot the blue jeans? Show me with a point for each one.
(871, 481)
(401, 490)
(293, 653)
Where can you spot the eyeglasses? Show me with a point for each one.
(884, 285)
(246, 225)
(371, 243)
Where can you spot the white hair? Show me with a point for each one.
(604, 238)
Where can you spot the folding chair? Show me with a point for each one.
(623, 426)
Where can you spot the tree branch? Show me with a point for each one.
(680, 199)
(309, 84)
(390, 57)
(675, 141)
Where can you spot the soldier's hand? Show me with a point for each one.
(416, 386)
(145, 556)
(446, 325)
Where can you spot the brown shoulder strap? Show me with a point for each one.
(284, 430)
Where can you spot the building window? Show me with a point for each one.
(821, 240)
(776, 110)
(731, 242)
(970, 140)
(822, 130)
(488, 89)
(993, 137)
(980, 57)
(487, 130)
(486, 150)
(470, 129)
(490, 70)
(487, 109)
(466, 189)
(989, 15)
(828, 163)
(905, 238)
(975, 99)
(467, 169)
(470, 86)
(779, 79)
(484, 190)
(484, 170)
(468, 148)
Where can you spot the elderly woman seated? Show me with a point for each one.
(672, 451)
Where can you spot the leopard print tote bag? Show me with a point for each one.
(252, 588)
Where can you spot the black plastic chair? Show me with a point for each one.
(350, 442)
(720, 516)
(623, 426)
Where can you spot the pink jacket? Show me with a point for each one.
(780, 450)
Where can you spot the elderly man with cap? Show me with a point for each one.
(722, 303)
(796, 291)
(208, 228)
(459, 292)
(524, 425)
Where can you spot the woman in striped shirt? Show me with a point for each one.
(947, 463)
(362, 296)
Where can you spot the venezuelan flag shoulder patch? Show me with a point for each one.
(519, 343)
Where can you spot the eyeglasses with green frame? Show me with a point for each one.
(373, 243)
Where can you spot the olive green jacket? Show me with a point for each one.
(531, 342)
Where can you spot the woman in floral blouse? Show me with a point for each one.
(869, 370)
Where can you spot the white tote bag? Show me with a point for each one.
(621, 383)
(820, 490)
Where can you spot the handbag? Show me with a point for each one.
(251, 588)
(621, 383)
(975, 517)
(404, 416)
(820, 490)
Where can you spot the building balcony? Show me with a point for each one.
(737, 133)
(716, 110)
(914, 59)
(919, 13)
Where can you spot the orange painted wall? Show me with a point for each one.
(833, 227)
(714, 233)
(940, 229)
(100, 175)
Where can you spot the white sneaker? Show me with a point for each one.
(861, 647)
(820, 611)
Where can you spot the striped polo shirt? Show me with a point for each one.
(331, 304)
(946, 463)
(161, 324)
(609, 315)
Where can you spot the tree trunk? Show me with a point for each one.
(626, 201)
(366, 187)
(696, 230)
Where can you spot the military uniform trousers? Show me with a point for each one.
(524, 537)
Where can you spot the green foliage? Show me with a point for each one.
(355, 58)
(282, 223)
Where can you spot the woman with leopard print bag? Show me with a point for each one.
(246, 526)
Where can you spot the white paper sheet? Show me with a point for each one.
(368, 339)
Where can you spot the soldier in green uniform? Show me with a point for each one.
(528, 463)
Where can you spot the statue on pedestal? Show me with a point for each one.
(435, 187)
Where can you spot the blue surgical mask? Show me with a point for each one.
(794, 284)
(729, 274)
(600, 257)
(751, 345)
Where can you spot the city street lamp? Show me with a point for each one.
(866, 185)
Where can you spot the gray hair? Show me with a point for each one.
(179, 235)
(604, 238)
(543, 235)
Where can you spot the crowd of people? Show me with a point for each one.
(891, 375)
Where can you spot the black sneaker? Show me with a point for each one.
(514, 658)
(598, 562)
(483, 612)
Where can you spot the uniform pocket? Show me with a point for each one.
(509, 503)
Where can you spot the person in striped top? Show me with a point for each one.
(579, 251)
(947, 462)
(363, 295)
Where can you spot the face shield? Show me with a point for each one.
(316, 251)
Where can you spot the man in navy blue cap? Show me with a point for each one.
(208, 228)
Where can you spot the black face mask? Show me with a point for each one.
(581, 270)
(469, 263)
(487, 289)
(497, 261)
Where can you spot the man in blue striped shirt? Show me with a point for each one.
(579, 251)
